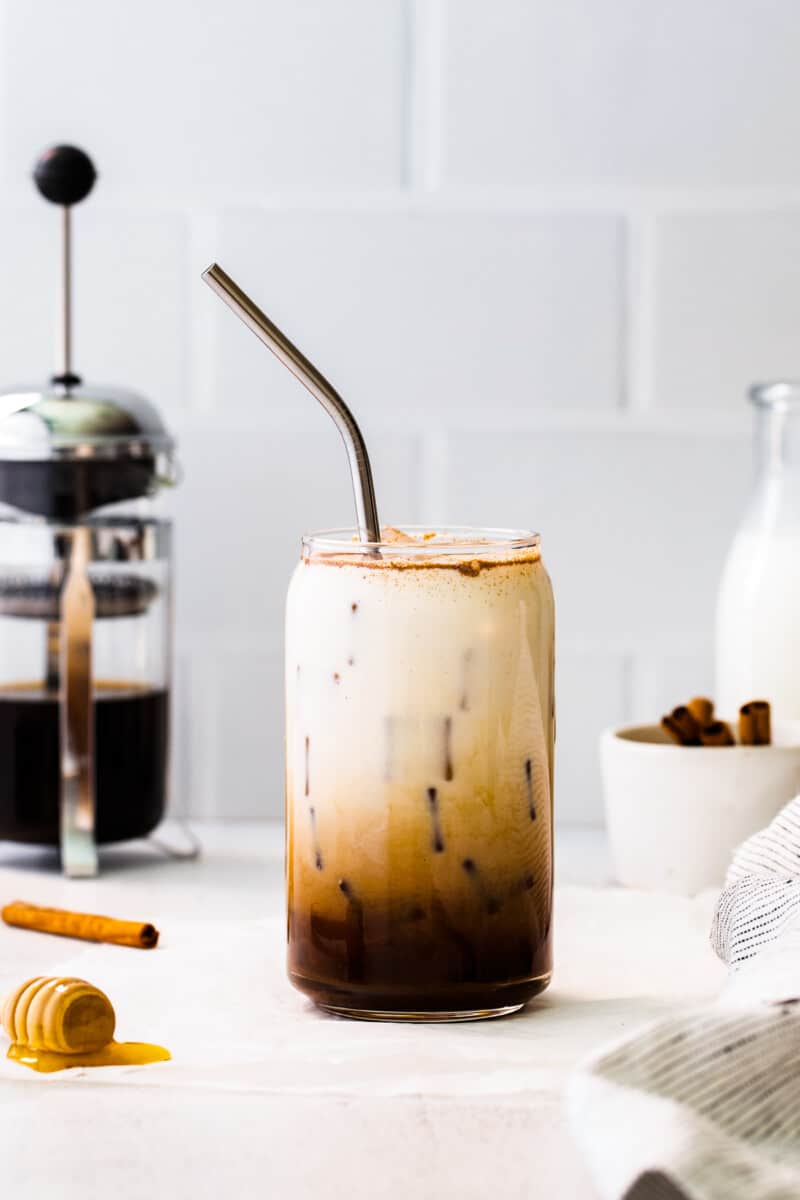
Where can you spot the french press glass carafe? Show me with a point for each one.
(85, 610)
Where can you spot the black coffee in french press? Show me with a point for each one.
(85, 612)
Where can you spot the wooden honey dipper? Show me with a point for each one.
(59, 1014)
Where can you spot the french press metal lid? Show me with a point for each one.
(67, 448)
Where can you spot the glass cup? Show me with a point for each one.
(420, 730)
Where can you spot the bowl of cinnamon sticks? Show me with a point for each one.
(681, 794)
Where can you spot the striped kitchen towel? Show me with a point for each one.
(706, 1105)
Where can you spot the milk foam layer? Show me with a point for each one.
(419, 748)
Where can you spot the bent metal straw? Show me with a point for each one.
(219, 281)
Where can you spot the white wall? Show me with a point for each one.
(541, 247)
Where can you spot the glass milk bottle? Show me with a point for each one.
(758, 631)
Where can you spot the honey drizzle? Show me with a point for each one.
(115, 1054)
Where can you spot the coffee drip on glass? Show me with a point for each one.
(85, 610)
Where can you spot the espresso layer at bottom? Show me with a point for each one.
(472, 999)
(425, 958)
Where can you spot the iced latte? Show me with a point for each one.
(420, 725)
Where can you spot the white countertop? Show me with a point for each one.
(267, 1097)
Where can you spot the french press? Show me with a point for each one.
(85, 610)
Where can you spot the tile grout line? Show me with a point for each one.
(423, 95)
(638, 324)
(678, 422)
(422, 175)
(410, 131)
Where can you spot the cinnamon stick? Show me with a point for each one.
(669, 727)
(717, 733)
(682, 727)
(755, 723)
(702, 709)
(89, 927)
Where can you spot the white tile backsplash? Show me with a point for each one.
(726, 305)
(203, 100)
(130, 284)
(670, 672)
(580, 92)
(246, 499)
(429, 313)
(29, 283)
(541, 249)
(248, 728)
(596, 685)
(634, 526)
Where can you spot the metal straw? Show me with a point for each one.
(260, 324)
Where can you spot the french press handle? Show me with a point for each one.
(77, 808)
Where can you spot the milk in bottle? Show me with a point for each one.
(758, 611)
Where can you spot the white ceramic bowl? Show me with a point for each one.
(676, 814)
